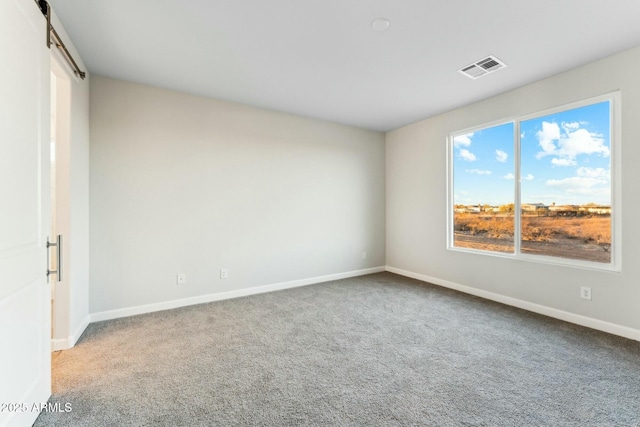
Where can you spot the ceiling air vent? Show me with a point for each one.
(482, 67)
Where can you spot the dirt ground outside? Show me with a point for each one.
(586, 238)
(563, 248)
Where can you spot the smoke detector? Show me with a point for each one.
(482, 67)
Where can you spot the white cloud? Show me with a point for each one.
(570, 126)
(574, 182)
(467, 155)
(528, 177)
(600, 173)
(563, 162)
(547, 136)
(593, 182)
(581, 141)
(462, 140)
(599, 191)
(549, 198)
(570, 143)
(478, 171)
(501, 156)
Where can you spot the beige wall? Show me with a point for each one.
(416, 180)
(185, 184)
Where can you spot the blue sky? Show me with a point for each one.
(565, 159)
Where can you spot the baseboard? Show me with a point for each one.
(578, 319)
(71, 340)
(219, 296)
(60, 344)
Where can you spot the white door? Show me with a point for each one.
(25, 323)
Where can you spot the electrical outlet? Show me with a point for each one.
(585, 292)
(181, 279)
(224, 273)
(364, 255)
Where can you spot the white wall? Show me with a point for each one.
(185, 184)
(416, 204)
(72, 186)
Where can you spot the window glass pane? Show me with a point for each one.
(566, 184)
(483, 189)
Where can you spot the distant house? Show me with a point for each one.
(476, 208)
(596, 209)
(563, 210)
(560, 208)
(534, 207)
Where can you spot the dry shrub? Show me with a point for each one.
(591, 229)
(496, 226)
(539, 229)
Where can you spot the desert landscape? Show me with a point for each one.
(580, 236)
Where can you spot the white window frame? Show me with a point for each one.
(614, 99)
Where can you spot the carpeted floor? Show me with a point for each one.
(377, 350)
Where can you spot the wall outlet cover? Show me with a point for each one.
(181, 279)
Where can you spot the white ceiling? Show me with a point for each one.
(321, 58)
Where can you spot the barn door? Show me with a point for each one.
(25, 323)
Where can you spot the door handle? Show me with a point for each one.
(58, 270)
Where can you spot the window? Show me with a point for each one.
(483, 197)
(561, 209)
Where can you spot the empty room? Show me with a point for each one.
(375, 213)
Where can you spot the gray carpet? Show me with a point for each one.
(378, 350)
